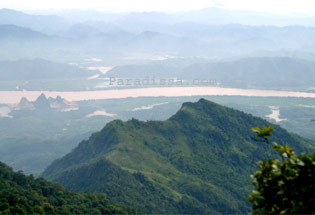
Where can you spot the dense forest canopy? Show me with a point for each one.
(20, 194)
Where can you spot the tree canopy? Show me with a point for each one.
(20, 194)
(285, 185)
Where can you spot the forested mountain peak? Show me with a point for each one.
(199, 161)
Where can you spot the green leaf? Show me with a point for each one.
(255, 129)
(264, 132)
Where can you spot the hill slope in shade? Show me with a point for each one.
(20, 194)
(255, 72)
(265, 72)
(40, 69)
(197, 162)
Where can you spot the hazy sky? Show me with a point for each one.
(274, 6)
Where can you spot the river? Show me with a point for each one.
(12, 97)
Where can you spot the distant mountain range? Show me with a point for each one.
(273, 72)
(41, 23)
(40, 69)
(210, 33)
(214, 15)
(264, 72)
(198, 161)
(15, 32)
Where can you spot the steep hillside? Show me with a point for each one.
(20, 194)
(197, 162)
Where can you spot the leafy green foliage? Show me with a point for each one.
(284, 186)
(285, 151)
(20, 194)
(196, 162)
(264, 132)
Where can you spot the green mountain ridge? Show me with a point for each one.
(198, 161)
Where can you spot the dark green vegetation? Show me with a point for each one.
(198, 161)
(20, 194)
(285, 186)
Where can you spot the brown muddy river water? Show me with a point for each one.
(11, 97)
